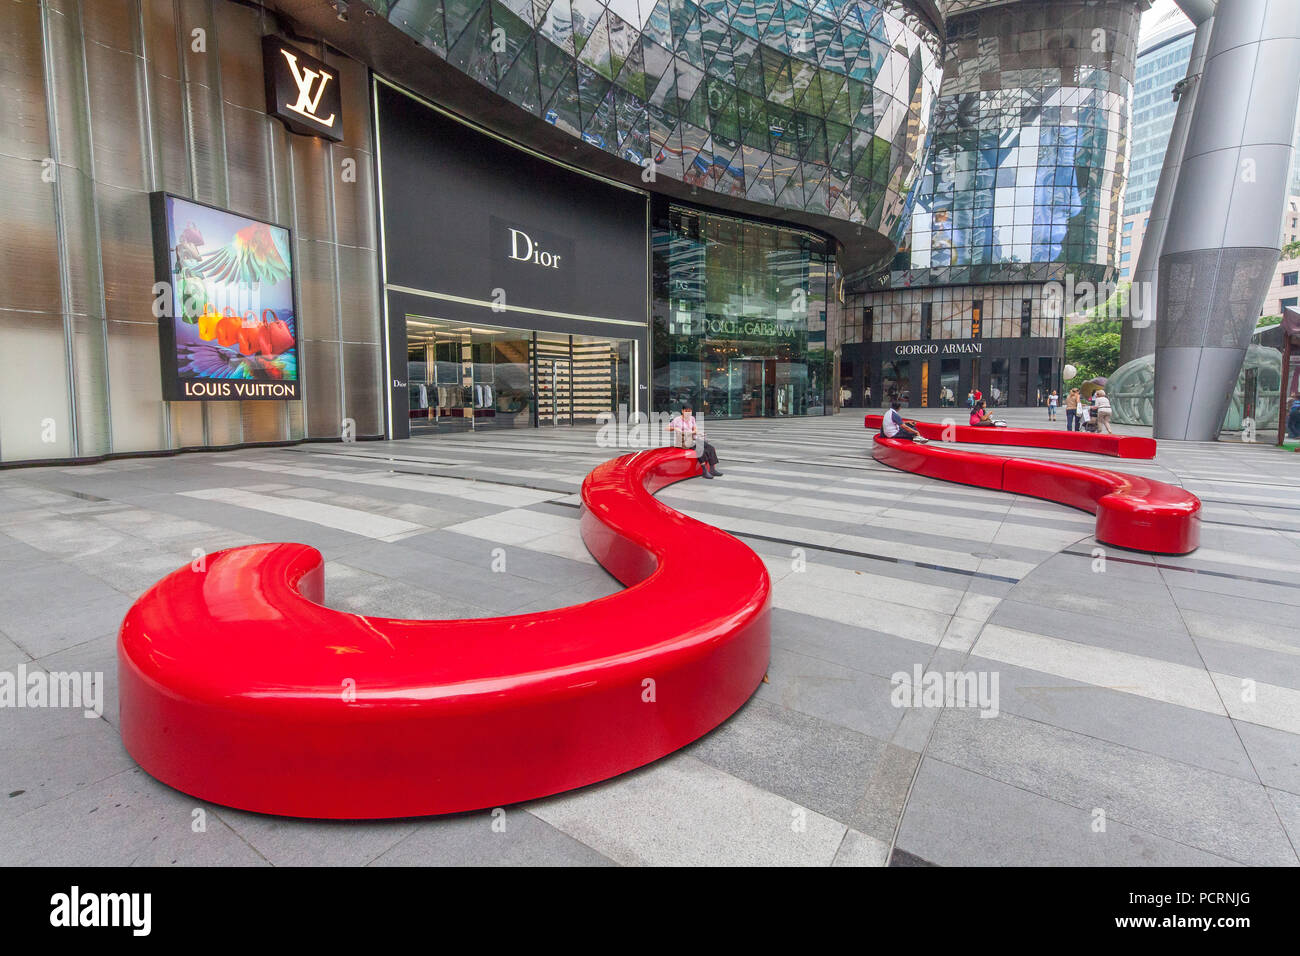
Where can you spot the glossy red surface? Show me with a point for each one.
(1118, 446)
(239, 687)
(1136, 513)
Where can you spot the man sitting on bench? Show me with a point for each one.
(893, 426)
(687, 434)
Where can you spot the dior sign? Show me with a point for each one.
(301, 91)
(524, 249)
(533, 264)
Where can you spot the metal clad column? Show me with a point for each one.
(1223, 238)
(1139, 336)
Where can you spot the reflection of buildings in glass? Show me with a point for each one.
(1022, 186)
(843, 92)
(742, 305)
(1028, 145)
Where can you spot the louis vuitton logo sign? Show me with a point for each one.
(305, 80)
(301, 91)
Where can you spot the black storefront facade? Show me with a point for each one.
(516, 289)
(1013, 372)
(522, 292)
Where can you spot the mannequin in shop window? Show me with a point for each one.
(687, 433)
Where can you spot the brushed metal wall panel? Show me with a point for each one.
(207, 131)
(135, 387)
(240, 30)
(354, 198)
(137, 108)
(321, 389)
(80, 242)
(263, 421)
(126, 252)
(200, 62)
(167, 119)
(297, 420)
(317, 301)
(34, 389)
(28, 242)
(187, 424)
(311, 170)
(24, 130)
(359, 295)
(161, 38)
(354, 84)
(113, 23)
(90, 377)
(116, 86)
(361, 378)
(281, 179)
(71, 119)
(248, 162)
(225, 427)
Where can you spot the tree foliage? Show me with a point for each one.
(1093, 348)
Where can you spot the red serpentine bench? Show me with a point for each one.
(1141, 514)
(1119, 446)
(239, 687)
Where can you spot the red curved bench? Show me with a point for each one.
(1136, 513)
(239, 687)
(1118, 446)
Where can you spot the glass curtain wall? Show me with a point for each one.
(740, 311)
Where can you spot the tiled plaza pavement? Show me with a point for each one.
(1123, 733)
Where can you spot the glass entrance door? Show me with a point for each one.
(751, 388)
(553, 368)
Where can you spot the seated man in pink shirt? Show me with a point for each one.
(688, 433)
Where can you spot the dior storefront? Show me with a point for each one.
(516, 287)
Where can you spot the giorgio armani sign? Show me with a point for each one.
(301, 91)
(939, 348)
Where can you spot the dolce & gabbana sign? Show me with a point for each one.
(301, 91)
(939, 348)
(760, 327)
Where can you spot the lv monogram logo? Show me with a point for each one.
(305, 79)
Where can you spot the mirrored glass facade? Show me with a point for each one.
(740, 316)
(1159, 68)
(820, 106)
(1026, 173)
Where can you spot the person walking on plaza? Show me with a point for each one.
(1052, 401)
(1072, 411)
(688, 433)
(1102, 404)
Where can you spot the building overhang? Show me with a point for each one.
(388, 51)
